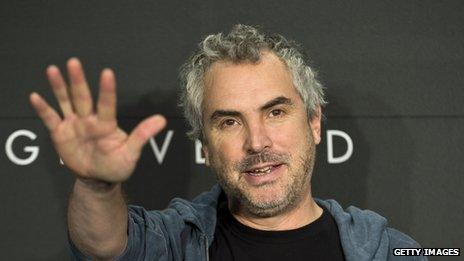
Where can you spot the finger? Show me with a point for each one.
(106, 106)
(82, 99)
(146, 129)
(59, 89)
(49, 116)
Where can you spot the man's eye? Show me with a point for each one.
(228, 123)
(276, 113)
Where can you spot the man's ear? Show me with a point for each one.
(206, 152)
(315, 124)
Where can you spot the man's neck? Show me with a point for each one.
(303, 214)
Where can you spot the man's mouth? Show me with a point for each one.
(261, 171)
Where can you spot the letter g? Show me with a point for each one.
(33, 150)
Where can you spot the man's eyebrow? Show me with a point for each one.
(221, 113)
(277, 101)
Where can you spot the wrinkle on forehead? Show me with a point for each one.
(222, 73)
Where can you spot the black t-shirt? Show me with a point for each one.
(234, 241)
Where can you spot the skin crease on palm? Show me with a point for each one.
(253, 117)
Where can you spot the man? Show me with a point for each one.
(256, 105)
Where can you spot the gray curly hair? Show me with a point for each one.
(244, 43)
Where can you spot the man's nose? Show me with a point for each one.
(257, 138)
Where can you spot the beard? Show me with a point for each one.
(276, 197)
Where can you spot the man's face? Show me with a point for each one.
(258, 138)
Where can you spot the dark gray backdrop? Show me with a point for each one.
(392, 71)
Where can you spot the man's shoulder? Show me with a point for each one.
(202, 205)
(201, 212)
(365, 234)
(189, 210)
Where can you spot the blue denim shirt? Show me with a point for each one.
(185, 230)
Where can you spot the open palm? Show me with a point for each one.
(89, 141)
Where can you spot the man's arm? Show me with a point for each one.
(100, 154)
(97, 219)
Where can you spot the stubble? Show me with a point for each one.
(292, 187)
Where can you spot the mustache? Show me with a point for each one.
(262, 157)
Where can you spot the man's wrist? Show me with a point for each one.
(95, 185)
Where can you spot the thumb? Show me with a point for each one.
(144, 130)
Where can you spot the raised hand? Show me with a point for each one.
(89, 141)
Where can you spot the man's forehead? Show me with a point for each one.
(233, 84)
